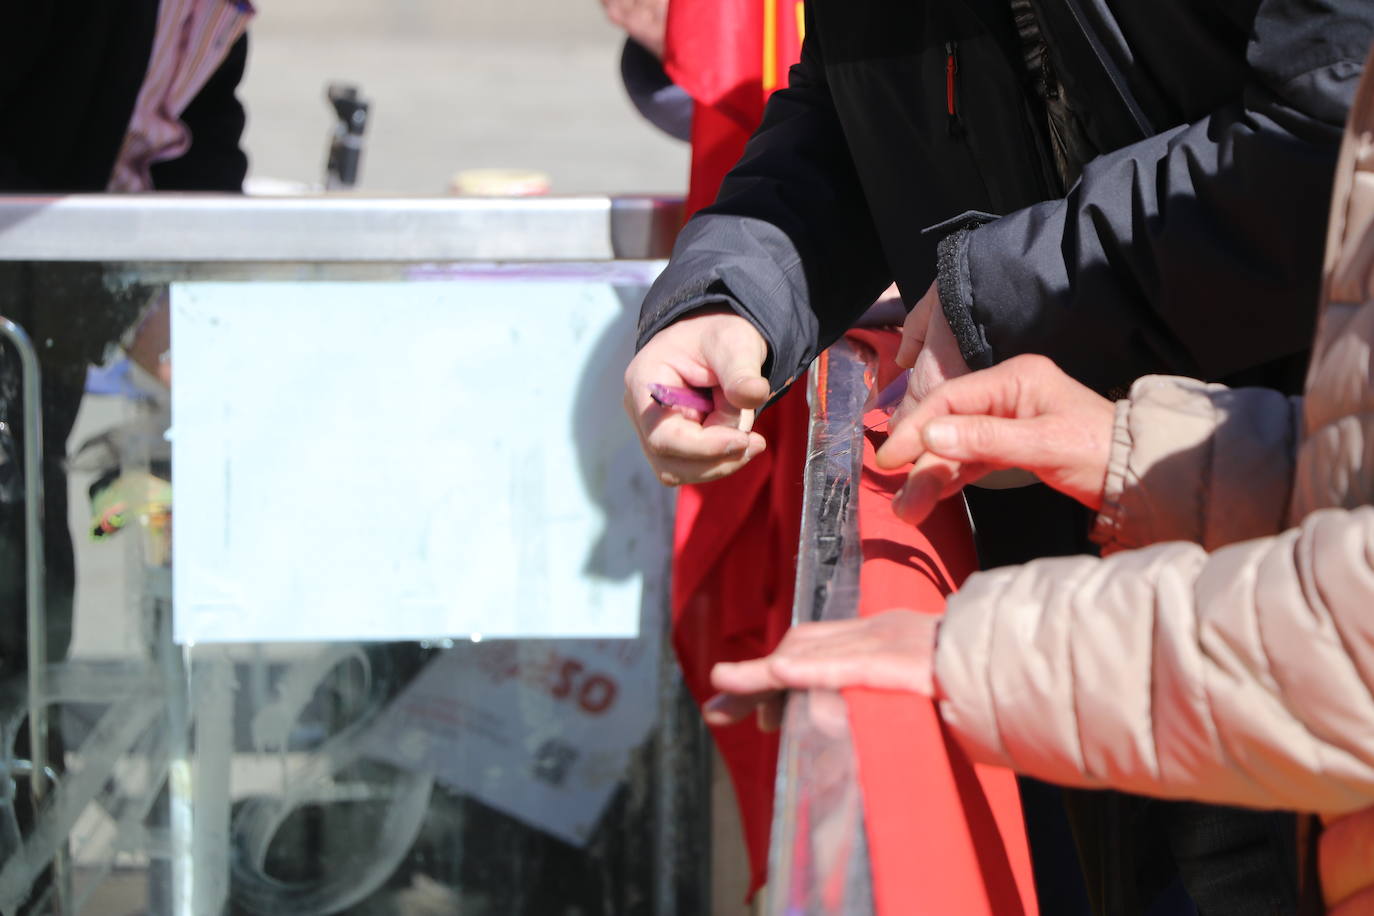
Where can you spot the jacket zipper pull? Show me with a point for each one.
(951, 83)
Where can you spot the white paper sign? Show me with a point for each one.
(540, 730)
(392, 461)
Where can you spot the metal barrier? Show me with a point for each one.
(171, 711)
(35, 607)
(270, 777)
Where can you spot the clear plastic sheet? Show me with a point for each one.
(819, 861)
(247, 778)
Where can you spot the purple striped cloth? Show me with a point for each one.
(193, 37)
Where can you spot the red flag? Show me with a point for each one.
(735, 546)
(729, 56)
(734, 555)
(734, 572)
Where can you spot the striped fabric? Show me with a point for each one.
(193, 38)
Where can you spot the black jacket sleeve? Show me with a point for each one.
(215, 118)
(789, 242)
(1196, 251)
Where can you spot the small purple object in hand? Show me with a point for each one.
(890, 398)
(892, 395)
(676, 396)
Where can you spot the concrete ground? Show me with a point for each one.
(454, 84)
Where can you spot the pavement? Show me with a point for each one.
(454, 84)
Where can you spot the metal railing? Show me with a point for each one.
(180, 228)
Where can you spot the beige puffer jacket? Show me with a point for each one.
(1235, 664)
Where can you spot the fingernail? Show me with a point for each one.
(940, 436)
(752, 451)
(901, 501)
(908, 498)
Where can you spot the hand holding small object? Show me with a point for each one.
(698, 399)
(691, 393)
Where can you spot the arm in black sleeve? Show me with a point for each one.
(789, 243)
(215, 117)
(661, 102)
(1196, 251)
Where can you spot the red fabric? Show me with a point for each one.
(717, 143)
(729, 56)
(945, 836)
(936, 830)
(734, 571)
(941, 832)
(735, 543)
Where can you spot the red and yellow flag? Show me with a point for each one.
(736, 538)
(729, 56)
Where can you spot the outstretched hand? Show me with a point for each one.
(714, 349)
(894, 650)
(1025, 413)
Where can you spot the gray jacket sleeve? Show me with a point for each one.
(1187, 251)
(798, 173)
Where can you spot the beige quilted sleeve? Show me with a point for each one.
(1245, 676)
(1197, 462)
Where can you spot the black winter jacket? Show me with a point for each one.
(1193, 248)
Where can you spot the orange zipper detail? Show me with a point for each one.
(952, 87)
(951, 68)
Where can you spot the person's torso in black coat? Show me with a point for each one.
(896, 69)
(70, 74)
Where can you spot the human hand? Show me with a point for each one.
(1025, 413)
(714, 349)
(929, 347)
(646, 21)
(894, 650)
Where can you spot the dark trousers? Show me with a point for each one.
(1136, 850)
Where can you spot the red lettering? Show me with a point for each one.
(597, 694)
(566, 675)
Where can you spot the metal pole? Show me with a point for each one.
(36, 581)
(35, 575)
